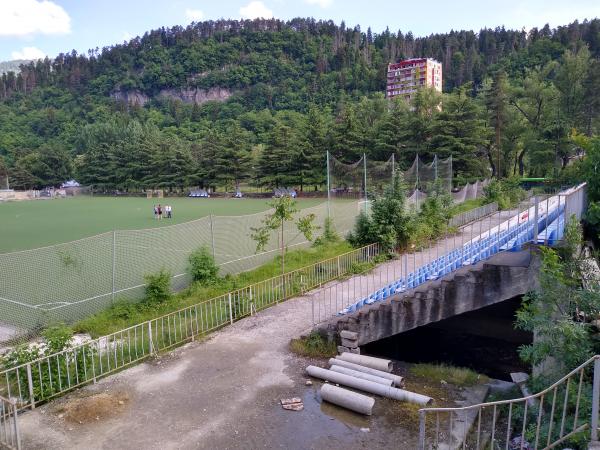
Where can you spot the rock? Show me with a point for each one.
(341, 349)
(289, 401)
(365, 430)
(121, 402)
(294, 407)
(444, 382)
(308, 383)
(350, 343)
(351, 335)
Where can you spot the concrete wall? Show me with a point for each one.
(500, 278)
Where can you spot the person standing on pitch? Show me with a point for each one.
(155, 212)
(169, 212)
(159, 212)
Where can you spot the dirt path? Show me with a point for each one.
(218, 394)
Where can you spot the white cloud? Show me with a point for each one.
(27, 17)
(127, 36)
(255, 10)
(194, 15)
(28, 53)
(321, 3)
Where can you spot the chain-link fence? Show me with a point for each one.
(67, 282)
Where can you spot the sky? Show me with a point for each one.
(31, 29)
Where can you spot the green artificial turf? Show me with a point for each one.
(37, 223)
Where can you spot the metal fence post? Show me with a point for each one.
(150, 343)
(114, 263)
(421, 429)
(16, 426)
(312, 307)
(230, 310)
(212, 237)
(535, 220)
(595, 400)
(30, 386)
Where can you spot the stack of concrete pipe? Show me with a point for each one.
(364, 373)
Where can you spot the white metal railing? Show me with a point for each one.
(409, 269)
(543, 420)
(473, 214)
(9, 425)
(51, 375)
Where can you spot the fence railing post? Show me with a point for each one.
(230, 309)
(16, 425)
(114, 264)
(30, 386)
(595, 400)
(212, 237)
(535, 219)
(150, 341)
(421, 429)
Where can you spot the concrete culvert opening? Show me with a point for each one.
(483, 340)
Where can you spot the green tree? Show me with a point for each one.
(285, 210)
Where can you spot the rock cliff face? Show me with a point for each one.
(189, 95)
(197, 96)
(132, 98)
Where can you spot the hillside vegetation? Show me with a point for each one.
(259, 102)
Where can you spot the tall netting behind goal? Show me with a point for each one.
(379, 175)
(345, 180)
(420, 175)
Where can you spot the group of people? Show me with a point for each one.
(166, 210)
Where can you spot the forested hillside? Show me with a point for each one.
(219, 103)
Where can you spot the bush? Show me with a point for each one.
(389, 224)
(158, 287)
(202, 266)
(314, 346)
(507, 193)
(329, 235)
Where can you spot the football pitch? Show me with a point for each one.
(37, 223)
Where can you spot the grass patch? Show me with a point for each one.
(458, 376)
(124, 314)
(314, 346)
(467, 205)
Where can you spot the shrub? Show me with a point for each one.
(314, 345)
(202, 266)
(158, 287)
(329, 234)
(389, 224)
(507, 193)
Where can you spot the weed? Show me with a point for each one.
(314, 345)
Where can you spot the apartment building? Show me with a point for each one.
(406, 77)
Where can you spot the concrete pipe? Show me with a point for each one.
(368, 386)
(347, 399)
(361, 375)
(384, 365)
(396, 379)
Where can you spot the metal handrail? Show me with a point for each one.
(516, 400)
(9, 432)
(219, 311)
(527, 400)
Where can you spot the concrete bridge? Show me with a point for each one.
(503, 276)
(498, 264)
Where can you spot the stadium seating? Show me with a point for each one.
(505, 237)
